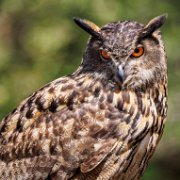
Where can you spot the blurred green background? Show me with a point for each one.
(39, 42)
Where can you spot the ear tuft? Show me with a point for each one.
(89, 27)
(153, 25)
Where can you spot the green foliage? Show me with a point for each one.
(39, 42)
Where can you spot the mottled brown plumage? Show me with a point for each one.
(103, 121)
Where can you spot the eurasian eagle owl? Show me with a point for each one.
(101, 122)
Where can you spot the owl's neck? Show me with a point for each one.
(93, 76)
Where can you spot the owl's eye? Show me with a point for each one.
(138, 52)
(105, 55)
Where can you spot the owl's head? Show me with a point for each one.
(126, 52)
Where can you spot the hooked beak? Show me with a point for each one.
(120, 73)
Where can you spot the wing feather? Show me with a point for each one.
(65, 123)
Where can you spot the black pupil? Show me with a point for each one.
(136, 50)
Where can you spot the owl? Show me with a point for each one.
(102, 122)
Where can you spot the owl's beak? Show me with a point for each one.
(121, 73)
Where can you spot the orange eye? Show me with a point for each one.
(105, 55)
(138, 52)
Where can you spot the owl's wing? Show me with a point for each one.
(98, 155)
(72, 129)
(58, 141)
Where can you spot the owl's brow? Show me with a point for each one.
(106, 46)
(140, 38)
